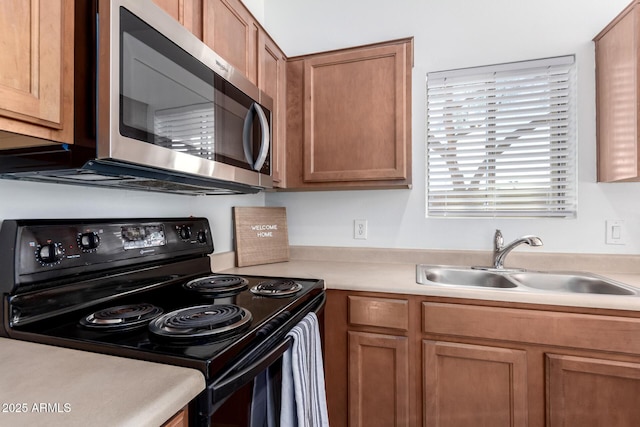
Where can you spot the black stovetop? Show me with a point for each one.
(268, 314)
(53, 273)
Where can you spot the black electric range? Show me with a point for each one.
(143, 288)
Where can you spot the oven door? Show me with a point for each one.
(233, 399)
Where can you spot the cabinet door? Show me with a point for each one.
(470, 385)
(357, 115)
(186, 12)
(181, 419)
(36, 82)
(592, 392)
(272, 79)
(617, 100)
(378, 380)
(232, 32)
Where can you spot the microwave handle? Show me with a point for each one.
(266, 140)
(246, 137)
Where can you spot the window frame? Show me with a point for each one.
(539, 92)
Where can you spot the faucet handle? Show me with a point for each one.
(498, 241)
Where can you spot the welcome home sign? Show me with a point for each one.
(261, 235)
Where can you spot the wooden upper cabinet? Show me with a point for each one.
(232, 32)
(617, 73)
(355, 125)
(354, 102)
(272, 79)
(36, 82)
(186, 12)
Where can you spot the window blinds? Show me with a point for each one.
(189, 129)
(501, 140)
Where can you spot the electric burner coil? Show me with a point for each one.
(122, 317)
(202, 321)
(217, 286)
(277, 288)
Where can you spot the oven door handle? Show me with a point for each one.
(225, 386)
(252, 364)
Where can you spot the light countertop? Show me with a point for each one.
(55, 386)
(51, 386)
(394, 271)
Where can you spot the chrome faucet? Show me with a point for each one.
(500, 251)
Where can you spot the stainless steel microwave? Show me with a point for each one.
(155, 109)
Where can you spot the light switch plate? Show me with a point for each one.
(616, 232)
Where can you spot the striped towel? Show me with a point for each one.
(304, 402)
(263, 410)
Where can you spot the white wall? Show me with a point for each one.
(447, 34)
(453, 34)
(256, 7)
(27, 200)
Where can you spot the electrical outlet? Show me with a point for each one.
(360, 229)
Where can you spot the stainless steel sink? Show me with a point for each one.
(582, 283)
(532, 281)
(460, 276)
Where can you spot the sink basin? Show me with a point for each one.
(572, 283)
(521, 280)
(463, 277)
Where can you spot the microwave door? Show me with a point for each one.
(247, 137)
(164, 103)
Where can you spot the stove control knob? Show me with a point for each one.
(185, 232)
(202, 237)
(88, 241)
(50, 253)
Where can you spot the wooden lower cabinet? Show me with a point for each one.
(378, 380)
(180, 419)
(472, 385)
(407, 360)
(589, 392)
(370, 372)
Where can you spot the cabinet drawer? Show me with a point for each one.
(587, 331)
(379, 312)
